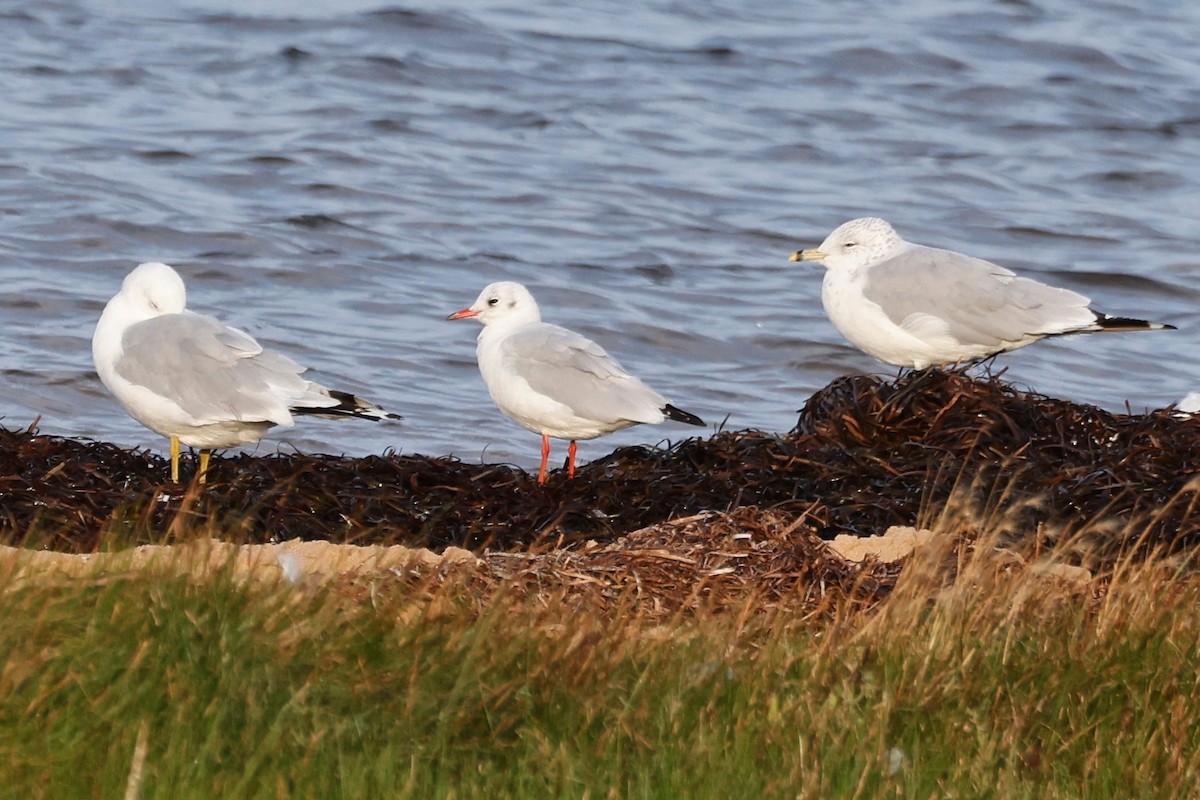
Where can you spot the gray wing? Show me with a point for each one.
(578, 373)
(980, 302)
(213, 372)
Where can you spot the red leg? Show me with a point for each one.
(571, 460)
(545, 458)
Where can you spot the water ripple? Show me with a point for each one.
(337, 177)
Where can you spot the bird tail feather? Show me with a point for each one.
(671, 412)
(348, 405)
(1106, 323)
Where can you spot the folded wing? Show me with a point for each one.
(971, 300)
(575, 371)
(214, 373)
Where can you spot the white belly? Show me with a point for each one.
(925, 343)
(532, 409)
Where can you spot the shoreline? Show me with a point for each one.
(866, 455)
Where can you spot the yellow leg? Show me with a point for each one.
(174, 459)
(204, 454)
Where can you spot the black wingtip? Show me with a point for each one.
(1107, 323)
(349, 405)
(671, 412)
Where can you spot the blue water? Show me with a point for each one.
(337, 179)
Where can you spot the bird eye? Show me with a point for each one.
(493, 301)
(848, 245)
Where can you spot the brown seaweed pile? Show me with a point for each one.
(865, 454)
(708, 562)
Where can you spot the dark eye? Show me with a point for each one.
(493, 301)
(848, 245)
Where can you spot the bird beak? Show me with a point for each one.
(464, 313)
(807, 255)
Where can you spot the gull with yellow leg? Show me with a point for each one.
(197, 381)
(915, 306)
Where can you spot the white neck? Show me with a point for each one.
(118, 315)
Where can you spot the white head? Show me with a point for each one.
(505, 303)
(857, 243)
(148, 291)
(151, 290)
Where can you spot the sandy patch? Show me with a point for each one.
(294, 561)
(897, 543)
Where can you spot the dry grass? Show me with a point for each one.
(687, 660)
(1041, 641)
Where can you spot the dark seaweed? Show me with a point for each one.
(865, 454)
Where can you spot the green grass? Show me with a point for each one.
(1000, 685)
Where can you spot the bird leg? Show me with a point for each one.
(571, 459)
(174, 459)
(204, 454)
(545, 458)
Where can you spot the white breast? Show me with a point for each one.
(865, 325)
